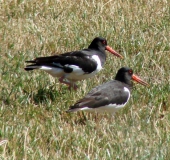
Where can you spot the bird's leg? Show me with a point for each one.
(113, 114)
(71, 85)
(61, 79)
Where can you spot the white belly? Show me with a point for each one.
(77, 73)
(111, 108)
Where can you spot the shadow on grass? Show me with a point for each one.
(44, 94)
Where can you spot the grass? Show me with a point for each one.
(33, 122)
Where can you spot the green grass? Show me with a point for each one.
(33, 120)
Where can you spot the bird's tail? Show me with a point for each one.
(32, 67)
(73, 109)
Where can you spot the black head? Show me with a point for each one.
(125, 75)
(100, 43)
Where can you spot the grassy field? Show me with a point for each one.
(33, 121)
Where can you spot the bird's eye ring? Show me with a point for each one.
(130, 71)
(104, 42)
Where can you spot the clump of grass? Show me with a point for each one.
(33, 105)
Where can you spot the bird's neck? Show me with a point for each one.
(124, 80)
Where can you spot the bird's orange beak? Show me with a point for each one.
(108, 48)
(137, 79)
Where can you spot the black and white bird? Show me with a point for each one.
(73, 66)
(110, 96)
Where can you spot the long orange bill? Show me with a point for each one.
(108, 48)
(137, 79)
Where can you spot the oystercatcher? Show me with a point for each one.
(77, 65)
(110, 96)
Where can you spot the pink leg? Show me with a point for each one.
(71, 85)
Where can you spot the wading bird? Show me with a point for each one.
(110, 96)
(73, 66)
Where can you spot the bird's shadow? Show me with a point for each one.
(43, 95)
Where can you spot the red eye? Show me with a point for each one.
(104, 42)
(130, 71)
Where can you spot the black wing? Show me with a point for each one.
(82, 59)
(111, 92)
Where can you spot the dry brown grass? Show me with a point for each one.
(33, 118)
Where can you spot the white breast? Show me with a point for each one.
(111, 108)
(97, 59)
(76, 74)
